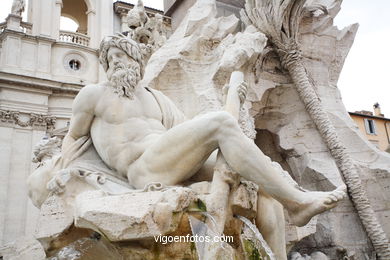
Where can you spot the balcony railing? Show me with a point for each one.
(73, 37)
(26, 27)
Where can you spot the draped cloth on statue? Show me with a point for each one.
(171, 115)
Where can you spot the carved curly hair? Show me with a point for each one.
(120, 41)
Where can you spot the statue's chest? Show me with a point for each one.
(116, 109)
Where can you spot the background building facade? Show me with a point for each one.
(374, 126)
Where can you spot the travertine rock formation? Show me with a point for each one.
(285, 130)
(134, 215)
(282, 114)
(24, 248)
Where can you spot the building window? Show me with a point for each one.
(74, 64)
(370, 126)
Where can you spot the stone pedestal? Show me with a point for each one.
(13, 22)
(134, 215)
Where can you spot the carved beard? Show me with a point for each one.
(124, 79)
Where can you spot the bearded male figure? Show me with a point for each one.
(141, 134)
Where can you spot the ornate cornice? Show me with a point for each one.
(35, 83)
(25, 120)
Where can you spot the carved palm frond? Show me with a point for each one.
(278, 19)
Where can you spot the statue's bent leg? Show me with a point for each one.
(177, 154)
(180, 152)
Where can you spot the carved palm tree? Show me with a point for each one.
(279, 20)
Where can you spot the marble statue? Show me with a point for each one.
(18, 7)
(149, 31)
(169, 146)
(141, 134)
(137, 16)
(131, 141)
(143, 138)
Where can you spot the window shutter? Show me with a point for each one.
(374, 127)
(366, 126)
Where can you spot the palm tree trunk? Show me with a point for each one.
(292, 61)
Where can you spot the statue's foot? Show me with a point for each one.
(316, 203)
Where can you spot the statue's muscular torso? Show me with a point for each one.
(121, 128)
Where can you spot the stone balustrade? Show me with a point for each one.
(73, 37)
(15, 23)
(26, 27)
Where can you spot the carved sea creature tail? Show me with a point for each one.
(279, 21)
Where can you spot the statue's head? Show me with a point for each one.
(125, 44)
(123, 61)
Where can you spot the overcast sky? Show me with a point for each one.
(363, 80)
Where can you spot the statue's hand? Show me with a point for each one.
(241, 89)
(58, 182)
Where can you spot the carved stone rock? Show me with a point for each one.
(24, 248)
(136, 215)
(244, 199)
(55, 217)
